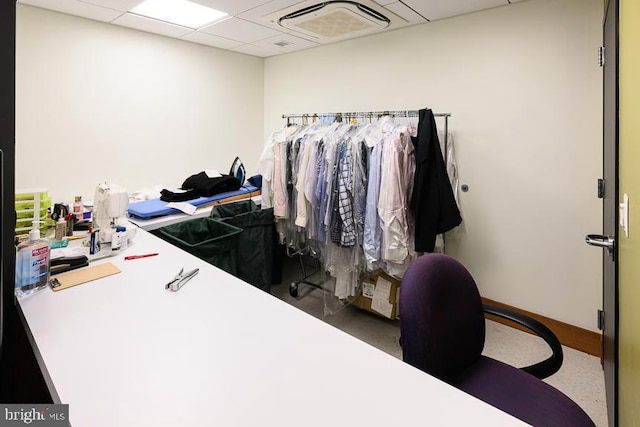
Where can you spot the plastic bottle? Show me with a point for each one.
(119, 239)
(61, 229)
(32, 264)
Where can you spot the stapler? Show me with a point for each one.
(60, 265)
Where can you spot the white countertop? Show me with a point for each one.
(123, 351)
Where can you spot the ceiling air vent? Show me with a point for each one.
(334, 20)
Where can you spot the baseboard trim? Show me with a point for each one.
(572, 336)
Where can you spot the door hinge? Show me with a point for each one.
(601, 320)
(600, 188)
(601, 56)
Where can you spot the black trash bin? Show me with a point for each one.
(212, 241)
(255, 243)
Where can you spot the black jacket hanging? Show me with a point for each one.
(433, 204)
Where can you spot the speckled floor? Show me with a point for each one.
(581, 376)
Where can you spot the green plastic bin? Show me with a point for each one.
(255, 243)
(212, 241)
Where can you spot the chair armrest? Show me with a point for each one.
(548, 366)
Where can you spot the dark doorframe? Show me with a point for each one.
(609, 324)
(8, 316)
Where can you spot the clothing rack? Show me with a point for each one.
(339, 117)
(293, 287)
(370, 115)
(365, 114)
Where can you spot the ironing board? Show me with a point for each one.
(153, 208)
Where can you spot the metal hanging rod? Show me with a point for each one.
(372, 114)
(364, 114)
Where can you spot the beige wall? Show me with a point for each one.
(524, 89)
(98, 102)
(629, 248)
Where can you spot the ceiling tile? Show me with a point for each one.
(122, 5)
(284, 43)
(151, 25)
(250, 49)
(405, 12)
(210, 40)
(259, 15)
(267, 8)
(238, 29)
(78, 8)
(438, 9)
(232, 7)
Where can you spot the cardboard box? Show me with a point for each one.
(379, 293)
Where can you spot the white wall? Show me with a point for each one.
(524, 89)
(98, 102)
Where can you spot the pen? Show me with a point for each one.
(76, 237)
(139, 256)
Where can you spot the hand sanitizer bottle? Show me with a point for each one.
(32, 264)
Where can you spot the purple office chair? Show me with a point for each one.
(442, 333)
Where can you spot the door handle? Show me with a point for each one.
(601, 241)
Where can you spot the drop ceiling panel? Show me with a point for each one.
(240, 30)
(250, 49)
(210, 40)
(77, 8)
(267, 8)
(405, 12)
(438, 9)
(151, 25)
(285, 43)
(385, 2)
(257, 15)
(232, 7)
(122, 5)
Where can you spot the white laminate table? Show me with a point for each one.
(123, 351)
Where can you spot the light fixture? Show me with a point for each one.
(180, 12)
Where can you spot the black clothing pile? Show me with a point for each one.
(201, 185)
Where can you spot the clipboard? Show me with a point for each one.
(84, 275)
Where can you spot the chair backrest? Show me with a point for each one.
(441, 316)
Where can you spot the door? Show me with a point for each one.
(608, 319)
(629, 243)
